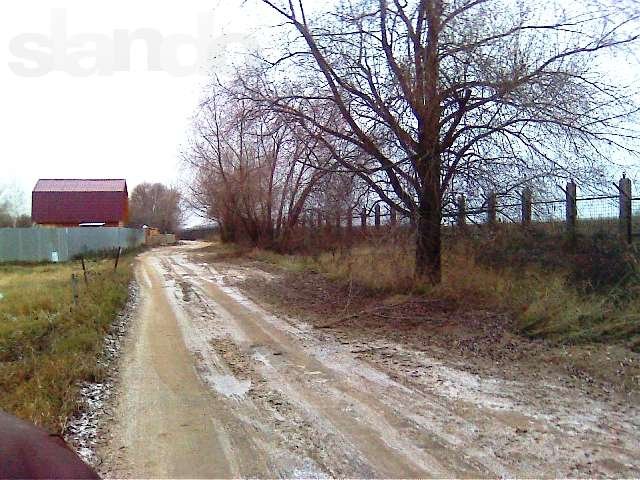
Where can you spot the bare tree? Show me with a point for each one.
(448, 95)
(6, 219)
(12, 206)
(250, 170)
(23, 221)
(155, 205)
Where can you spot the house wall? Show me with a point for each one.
(74, 208)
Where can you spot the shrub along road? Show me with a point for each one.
(215, 385)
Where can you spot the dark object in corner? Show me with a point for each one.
(27, 451)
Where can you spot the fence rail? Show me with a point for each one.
(617, 213)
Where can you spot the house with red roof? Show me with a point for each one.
(80, 202)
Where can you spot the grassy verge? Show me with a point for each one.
(589, 294)
(47, 343)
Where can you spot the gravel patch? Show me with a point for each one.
(86, 430)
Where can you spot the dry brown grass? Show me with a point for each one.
(544, 300)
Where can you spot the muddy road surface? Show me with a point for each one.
(213, 385)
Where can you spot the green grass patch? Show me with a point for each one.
(48, 344)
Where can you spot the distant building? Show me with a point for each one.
(75, 202)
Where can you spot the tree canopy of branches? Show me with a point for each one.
(155, 205)
(252, 172)
(445, 96)
(6, 219)
(11, 206)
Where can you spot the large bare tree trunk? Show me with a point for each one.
(428, 241)
(428, 223)
(428, 245)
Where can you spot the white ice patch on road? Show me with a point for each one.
(236, 273)
(228, 385)
(259, 357)
(308, 470)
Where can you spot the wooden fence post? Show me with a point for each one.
(84, 272)
(319, 220)
(74, 288)
(377, 217)
(394, 216)
(363, 220)
(571, 208)
(462, 211)
(350, 221)
(625, 209)
(115, 267)
(526, 206)
(492, 208)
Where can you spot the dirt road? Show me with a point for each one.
(215, 386)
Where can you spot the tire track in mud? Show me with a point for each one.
(243, 421)
(264, 396)
(330, 400)
(162, 410)
(536, 426)
(287, 429)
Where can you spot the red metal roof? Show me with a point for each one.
(81, 185)
(72, 202)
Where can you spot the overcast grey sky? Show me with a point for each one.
(105, 119)
(103, 115)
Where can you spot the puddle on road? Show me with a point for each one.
(260, 357)
(228, 385)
